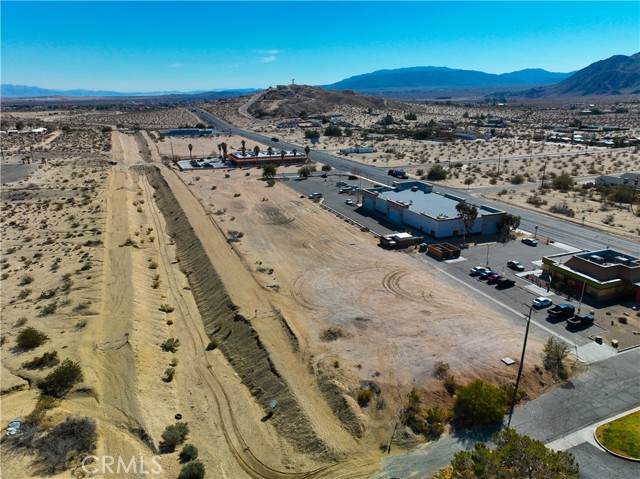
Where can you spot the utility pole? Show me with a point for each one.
(544, 170)
(487, 265)
(524, 348)
(584, 285)
(633, 194)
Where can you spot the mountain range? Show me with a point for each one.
(23, 91)
(433, 77)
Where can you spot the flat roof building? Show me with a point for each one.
(277, 157)
(604, 275)
(415, 204)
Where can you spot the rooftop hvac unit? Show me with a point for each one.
(596, 259)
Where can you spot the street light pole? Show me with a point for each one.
(524, 348)
(487, 265)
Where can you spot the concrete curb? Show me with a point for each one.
(627, 458)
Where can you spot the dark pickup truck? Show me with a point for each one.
(505, 283)
(561, 310)
(580, 320)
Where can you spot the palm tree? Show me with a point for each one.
(190, 148)
(282, 153)
(244, 147)
(306, 152)
(270, 152)
(219, 151)
(295, 153)
(224, 150)
(256, 150)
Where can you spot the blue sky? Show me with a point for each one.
(148, 46)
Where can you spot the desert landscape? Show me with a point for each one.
(285, 338)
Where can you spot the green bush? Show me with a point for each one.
(437, 173)
(213, 344)
(517, 179)
(554, 351)
(441, 370)
(333, 130)
(169, 374)
(563, 182)
(167, 308)
(171, 345)
(436, 420)
(30, 338)
(480, 404)
(192, 470)
(173, 436)
(61, 379)
(189, 453)
(47, 360)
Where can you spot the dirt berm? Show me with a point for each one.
(236, 338)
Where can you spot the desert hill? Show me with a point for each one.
(617, 75)
(287, 101)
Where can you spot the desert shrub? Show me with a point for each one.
(169, 374)
(73, 438)
(61, 379)
(441, 370)
(437, 173)
(167, 308)
(171, 345)
(30, 338)
(535, 200)
(563, 182)
(43, 404)
(213, 344)
(553, 353)
(563, 209)
(153, 265)
(189, 453)
(271, 182)
(192, 470)
(49, 309)
(25, 280)
(480, 404)
(24, 293)
(364, 397)
(436, 420)
(48, 294)
(47, 360)
(517, 179)
(173, 436)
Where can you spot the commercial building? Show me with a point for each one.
(603, 275)
(415, 204)
(187, 132)
(277, 157)
(630, 179)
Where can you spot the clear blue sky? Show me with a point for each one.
(147, 46)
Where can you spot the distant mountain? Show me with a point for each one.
(442, 77)
(24, 91)
(618, 75)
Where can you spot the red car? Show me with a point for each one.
(493, 278)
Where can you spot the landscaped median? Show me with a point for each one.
(621, 436)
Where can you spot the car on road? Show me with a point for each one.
(275, 138)
(580, 320)
(315, 195)
(352, 177)
(323, 175)
(486, 273)
(530, 241)
(341, 183)
(505, 283)
(349, 202)
(515, 265)
(541, 302)
(493, 278)
(476, 270)
(345, 189)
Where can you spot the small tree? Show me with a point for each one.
(190, 146)
(480, 404)
(326, 168)
(305, 171)
(468, 214)
(30, 338)
(192, 470)
(517, 179)
(515, 457)
(269, 170)
(310, 134)
(333, 130)
(61, 379)
(554, 352)
(507, 225)
(256, 150)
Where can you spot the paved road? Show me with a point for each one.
(582, 237)
(608, 388)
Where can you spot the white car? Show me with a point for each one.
(476, 270)
(541, 302)
(349, 202)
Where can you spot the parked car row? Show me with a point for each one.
(564, 311)
(492, 277)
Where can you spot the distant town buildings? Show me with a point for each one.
(277, 157)
(630, 179)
